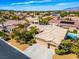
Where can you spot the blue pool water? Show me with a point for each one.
(71, 36)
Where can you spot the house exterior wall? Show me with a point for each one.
(45, 44)
(41, 42)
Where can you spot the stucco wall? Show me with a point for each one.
(44, 44)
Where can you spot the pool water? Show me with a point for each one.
(71, 36)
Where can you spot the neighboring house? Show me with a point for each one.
(55, 14)
(7, 29)
(52, 35)
(73, 22)
(13, 22)
(66, 24)
(33, 20)
(10, 24)
(55, 19)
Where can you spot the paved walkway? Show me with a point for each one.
(38, 52)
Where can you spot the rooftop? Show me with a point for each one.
(52, 34)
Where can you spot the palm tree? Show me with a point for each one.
(27, 23)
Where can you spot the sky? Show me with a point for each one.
(38, 5)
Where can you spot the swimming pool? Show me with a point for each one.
(71, 36)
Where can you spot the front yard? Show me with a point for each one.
(18, 45)
(69, 56)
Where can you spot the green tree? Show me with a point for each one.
(64, 47)
(61, 51)
(63, 14)
(75, 31)
(75, 48)
(24, 36)
(1, 33)
(44, 21)
(14, 17)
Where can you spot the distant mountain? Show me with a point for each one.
(72, 9)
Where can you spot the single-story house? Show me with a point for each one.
(52, 35)
(73, 22)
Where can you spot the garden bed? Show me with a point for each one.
(69, 56)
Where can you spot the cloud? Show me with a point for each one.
(24, 3)
(30, 2)
(57, 6)
(48, 0)
(67, 3)
(28, 8)
(61, 6)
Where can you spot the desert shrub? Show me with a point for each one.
(75, 31)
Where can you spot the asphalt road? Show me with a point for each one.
(8, 52)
